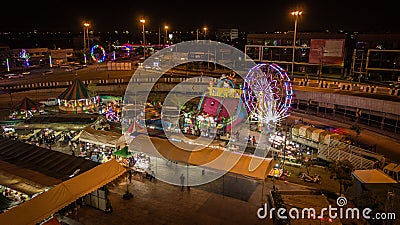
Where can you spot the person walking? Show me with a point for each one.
(130, 176)
(182, 178)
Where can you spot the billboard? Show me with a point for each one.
(327, 51)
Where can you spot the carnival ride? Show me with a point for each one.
(267, 92)
(223, 103)
(98, 53)
(265, 97)
(76, 99)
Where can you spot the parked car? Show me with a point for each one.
(49, 102)
(48, 72)
(9, 74)
(15, 76)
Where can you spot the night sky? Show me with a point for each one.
(249, 16)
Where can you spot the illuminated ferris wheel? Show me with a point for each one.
(267, 92)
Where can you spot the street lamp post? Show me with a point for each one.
(166, 35)
(205, 33)
(296, 15)
(86, 35)
(321, 63)
(143, 21)
(394, 67)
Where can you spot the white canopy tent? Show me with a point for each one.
(99, 137)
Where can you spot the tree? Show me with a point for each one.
(92, 90)
(356, 129)
(341, 170)
(308, 165)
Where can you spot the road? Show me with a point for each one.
(95, 72)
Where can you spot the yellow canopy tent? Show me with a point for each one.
(44, 205)
(208, 157)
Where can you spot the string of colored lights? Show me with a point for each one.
(95, 56)
(267, 92)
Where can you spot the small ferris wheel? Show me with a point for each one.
(267, 92)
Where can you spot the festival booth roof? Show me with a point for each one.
(373, 176)
(30, 169)
(75, 91)
(392, 167)
(25, 180)
(28, 104)
(44, 205)
(123, 152)
(214, 158)
(99, 137)
(59, 122)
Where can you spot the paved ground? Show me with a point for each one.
(161, 203)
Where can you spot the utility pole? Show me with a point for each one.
(284, 146)
(159, 36)
(296, 15)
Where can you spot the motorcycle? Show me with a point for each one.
(307, 178)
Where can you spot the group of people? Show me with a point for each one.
(112, 110)
(15, 196)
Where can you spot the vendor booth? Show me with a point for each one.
(46, 204)
(25, 109)
(76, 99)
(99, 137)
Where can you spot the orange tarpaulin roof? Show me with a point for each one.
(179, 155)
(247, 165)
(200, 157)
(44, 205)
(52, 221)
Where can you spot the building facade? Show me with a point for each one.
(360, 57)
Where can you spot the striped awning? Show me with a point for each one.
(75, 91)
(28, 104)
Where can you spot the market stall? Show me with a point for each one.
(99, 137)
(26, 109)
(111, 107)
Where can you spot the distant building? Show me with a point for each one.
(61, 56)
(374, 57)
(4, 52)
(227, 35)
(315, 52)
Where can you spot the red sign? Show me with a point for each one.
(327, 51)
